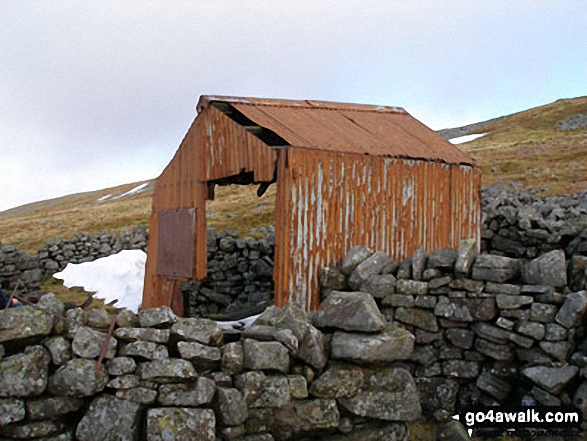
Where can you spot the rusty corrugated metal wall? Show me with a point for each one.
(214, 147)
(328, 203)
(329, 198)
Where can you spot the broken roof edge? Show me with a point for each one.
(206, 100)
(472, 163)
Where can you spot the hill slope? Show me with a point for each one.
(534, 147)
(528, 147)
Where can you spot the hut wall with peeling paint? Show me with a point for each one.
(346, 175)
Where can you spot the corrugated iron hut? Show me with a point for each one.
(346, 175)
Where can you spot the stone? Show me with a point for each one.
(59, 349)
(505, 301)
(391, 344)
(544, 398)
(412, 287)
(380, 285)
(461, 338)
(442, 259)
(305, 416)
(418, 317)
(33, 430)
(204, 331)
(531, 329)
(437, 393)
(51, 303)
(52, 407)
(98, 318)
(491, 333)
(396, 300)
(143, 334)
(232, 409)
(298, 386)
(88, 343)
(494, 386)
(127, 319)
(419, 263)
(180, 424)
(109, 418)
(425, 354)
(250, 383)
(453, 431)
(502, 288)
(440, 282)
(350, 311)
(353, 258)
(466, 256)
(78, 378)
(25, 325)
(202, 356)
(492, 268)
(268, 355)
(338, 381)
(405, 269)
(124, 382)
(533, 356)
(333, 278)
(551, 379)
(559, 349)
(505, 323)
(555, 332)
(139, 395)
(542, 312)
(388, 394)
(496, 351)
(232, 357)
(11, 411)
(548, 269)
(161, 317)
(24, 374)
(121, 366)
(573, 309)
(274, 392)
(166, 370)
(191, 394)
(427, 302)
(577, 273)
(460, 369)
(377, 263)
(466, 309)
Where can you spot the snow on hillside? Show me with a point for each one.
(466, 138)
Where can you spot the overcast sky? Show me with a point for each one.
(96, 94)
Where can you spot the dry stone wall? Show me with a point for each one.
(392, 343)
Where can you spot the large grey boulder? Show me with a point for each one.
(78, 378)
(351, 311)
(110, 419)
(573, 310)
(161, 317)
(499, 269)
(391, 344)
(200, 330)
(24, 374)
(353, 258)
(166, 370)
(380, 285)
(88, 343)
(338, 381)
(548, 269)
(25, 324)
(388, 394)
(378, 263)
(59, 349)
(181, 424)
(191, 394)
(268, 355)
(551, 379)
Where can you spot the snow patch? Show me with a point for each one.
(103, 198)
(466, 138)
(118, 277)
(135, 190)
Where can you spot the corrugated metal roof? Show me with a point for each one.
(343, 127)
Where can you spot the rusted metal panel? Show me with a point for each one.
(175, 250)
(330, 203)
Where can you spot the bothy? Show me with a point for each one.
(346, 175)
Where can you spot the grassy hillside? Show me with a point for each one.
(524, 147)
(527, 148)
